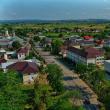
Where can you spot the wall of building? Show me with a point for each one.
(91, 61)
(107, 66)
(21, 56)
(29, 79)
(74, 57)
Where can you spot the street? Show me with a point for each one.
(72, 81)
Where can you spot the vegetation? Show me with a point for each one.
(107, 52)
(95, 77)
(55, 77)
(56, 44)
(50, 94)
(36, 38)
(47, 99)
(16, 45)
(12, 97)
(16, 96)
(56, 30)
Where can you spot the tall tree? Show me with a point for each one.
(56, 44)
(11, 95)
(55, 77)
(16, 45)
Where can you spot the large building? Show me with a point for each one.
(87, 56)
(107, 66)
(7, 39)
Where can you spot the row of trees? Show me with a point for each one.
(96, 78)
(55, 77)
(51, 95)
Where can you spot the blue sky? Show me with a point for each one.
(54, 9)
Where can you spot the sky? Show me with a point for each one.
(54, 9)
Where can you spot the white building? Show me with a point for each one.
(107, 43)
(107, 65)
(22, 53)
(86, 56)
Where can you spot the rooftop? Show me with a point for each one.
(24, 67)
(22, 50)
(86, 52)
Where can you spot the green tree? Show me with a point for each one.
(56, 44)
(62, 105)
(105, 94)
(11, 95)
(64, 101)
(16, 45)
(61, 35)
(55, 77)
(97, 77)
(42, 96)
(81, 69)
(36, 38)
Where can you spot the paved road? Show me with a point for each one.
(72, 81)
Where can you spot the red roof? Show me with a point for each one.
(2, 61)
(93, 52)
(99, 42)
(88, 37)
(87, 52)
(23, 50)
(24, 67)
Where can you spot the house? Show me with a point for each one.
(63, 51)
(28, 70)
(2, 52)
(6, 54)
(6, 40)
(88, 38)
(2, 61)
(5, 43)
(4, 65)
(22, 53)
(69, 42)
(86, 55)
(47, 42)
(87, 43)
(72, 42)
(107, 43)
(100, 43)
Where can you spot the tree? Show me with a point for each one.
(81, 69)
(64, 103)
(96, 79)
(16, 45)
(42, 95)
(107, 52)
(56, 44)
(11, 95)
(36, 38)
(60, 35)
(105, 94)
(55, 77)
